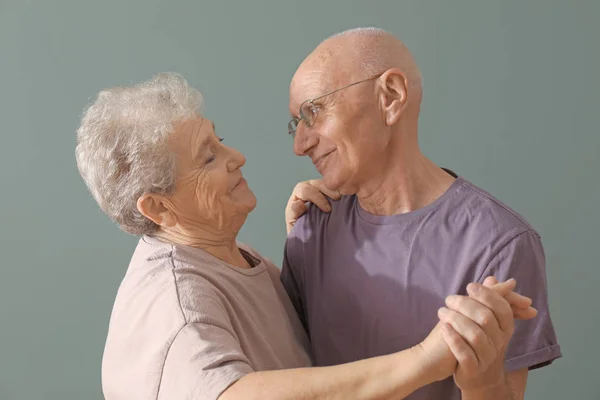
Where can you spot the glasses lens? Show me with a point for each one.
(292, 125)
(308, 113)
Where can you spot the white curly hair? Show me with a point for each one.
(122, 151)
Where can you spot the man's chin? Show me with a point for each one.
(331, 181)
(338, 184)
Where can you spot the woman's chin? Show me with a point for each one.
(248, 203)
(252, 203)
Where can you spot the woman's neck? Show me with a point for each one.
(220, 246)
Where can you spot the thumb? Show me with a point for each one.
(296, 210)
(490, 281)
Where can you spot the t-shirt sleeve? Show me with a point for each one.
(534, 343)
(291, 276)
(202, 362)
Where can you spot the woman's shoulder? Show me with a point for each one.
(176, 277)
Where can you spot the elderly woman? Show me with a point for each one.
(199, 315)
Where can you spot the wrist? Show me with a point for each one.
(428, 371)
(496, 389)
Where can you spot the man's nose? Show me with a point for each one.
(304, 140)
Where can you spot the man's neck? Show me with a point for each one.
(221, 247)
(405, 184)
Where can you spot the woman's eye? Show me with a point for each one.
(213, 157)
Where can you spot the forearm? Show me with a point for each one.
(501, 391)
(392, 376)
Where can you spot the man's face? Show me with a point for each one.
(342, 142)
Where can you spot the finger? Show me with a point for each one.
(521, 305)
(463, 353)
(332, 194)
(312, 194)
(479, 340)
(296, 210)
(518, 300)
(513, 298)
(504, 288)
(480, 314)
(490, 281)
(494, 301)
(524, 314)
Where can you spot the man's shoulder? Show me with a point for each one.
(488, 212)
(310, 230)
(314, 221)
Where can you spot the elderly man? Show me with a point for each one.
(371, 277)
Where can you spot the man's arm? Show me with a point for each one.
(534, 343)
(477, 330)
(512, 388)
(515, 347)
(517, 382)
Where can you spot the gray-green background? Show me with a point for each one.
(511, 102)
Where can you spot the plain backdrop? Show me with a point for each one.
(511, 103)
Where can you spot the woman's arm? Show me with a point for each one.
(392, 376)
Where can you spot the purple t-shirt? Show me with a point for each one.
(366, 285)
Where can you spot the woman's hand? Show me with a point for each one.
(313, 191)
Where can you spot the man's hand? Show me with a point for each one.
(477, 330)
(442, 354)
(313, 191)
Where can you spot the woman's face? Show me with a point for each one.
(209, 190)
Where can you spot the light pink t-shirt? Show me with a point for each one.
(185, 325)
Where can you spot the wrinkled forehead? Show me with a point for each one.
(311, 81)
(306, 85)
(188, 133)
(191, 127)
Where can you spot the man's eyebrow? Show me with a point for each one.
(293, 113)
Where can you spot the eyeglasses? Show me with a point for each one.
(308, 110)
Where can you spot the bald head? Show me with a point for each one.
(355, 102)
(360, 53)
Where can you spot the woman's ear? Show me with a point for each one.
(157, 209)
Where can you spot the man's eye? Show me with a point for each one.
(221, 139)
(211, 159)
(314, 110)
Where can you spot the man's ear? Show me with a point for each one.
(157, 209)
(394, 95)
